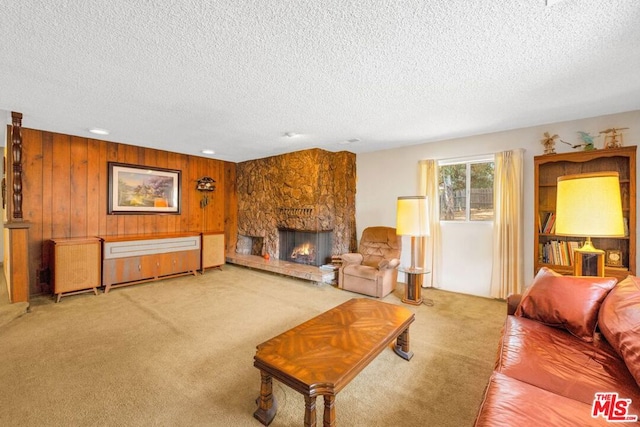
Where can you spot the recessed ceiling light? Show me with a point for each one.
(290, 134)
(208, 151)
(99, 131)
(348, 141)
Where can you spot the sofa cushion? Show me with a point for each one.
(509, 402)
(555, 360)
(569, 302)
(619, 321)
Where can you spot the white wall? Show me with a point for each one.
(385, 175)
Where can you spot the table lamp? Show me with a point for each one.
(589, 205)
(412, 220)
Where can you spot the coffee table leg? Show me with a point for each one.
(329, 416)
(402, 345)
(267, 405)
(309, 411)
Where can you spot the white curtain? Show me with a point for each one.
(430, 247)
(507, 273)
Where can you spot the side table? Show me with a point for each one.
(413, 290)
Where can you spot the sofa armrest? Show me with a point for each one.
(513, 301)
(351, 258)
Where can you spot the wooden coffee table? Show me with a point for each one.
(322, 355)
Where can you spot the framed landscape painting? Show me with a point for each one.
(143, 190)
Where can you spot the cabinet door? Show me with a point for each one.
(167, 263)
(213, 254)
(113, 271)
(76, 266)
(191, 260)
(130, 269)
(147, 267)
(178, 262)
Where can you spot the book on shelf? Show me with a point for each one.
(539, 224)
(551, 224)
(546, 225)
(573, 245)
(564, 253)
(557, 252)
(542, 220)
(336, 260)
(626, 226)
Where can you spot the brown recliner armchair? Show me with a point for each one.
(373, 270)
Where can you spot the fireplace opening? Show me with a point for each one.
(305, 247)
(250, 245)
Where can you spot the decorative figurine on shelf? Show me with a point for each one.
(549, 143)
(611, 137)
(587, 142)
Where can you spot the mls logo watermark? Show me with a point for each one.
(612, 408)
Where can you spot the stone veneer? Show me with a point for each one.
(310, 190)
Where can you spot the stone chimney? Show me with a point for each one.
(310, 190)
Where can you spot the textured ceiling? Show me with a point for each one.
(234, 76)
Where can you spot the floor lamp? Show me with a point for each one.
(589, 205)
(412, 219)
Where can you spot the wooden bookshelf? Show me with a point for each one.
(547, 169)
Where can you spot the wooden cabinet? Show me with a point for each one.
(75, 266)
(128, 260)
(548, 247)
(213, 249)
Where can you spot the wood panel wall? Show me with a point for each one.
(65, 182)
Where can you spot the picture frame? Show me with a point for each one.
(613, 258)
(137, 189)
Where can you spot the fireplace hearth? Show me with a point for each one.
(305, 247)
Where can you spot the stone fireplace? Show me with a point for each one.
(312, 191)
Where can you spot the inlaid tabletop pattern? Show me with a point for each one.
(321, 356)
(325, 348)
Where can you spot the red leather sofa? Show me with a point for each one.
(569, 355)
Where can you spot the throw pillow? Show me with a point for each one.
(569, 302)
(619, 322)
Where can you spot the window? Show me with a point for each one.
(466, 190)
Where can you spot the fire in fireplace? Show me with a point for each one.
(305, 247)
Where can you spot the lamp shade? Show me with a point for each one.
(589, 205)
(412, 217)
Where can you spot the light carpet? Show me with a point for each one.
(179, 352)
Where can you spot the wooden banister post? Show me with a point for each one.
(16, 266)
(16, 157)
